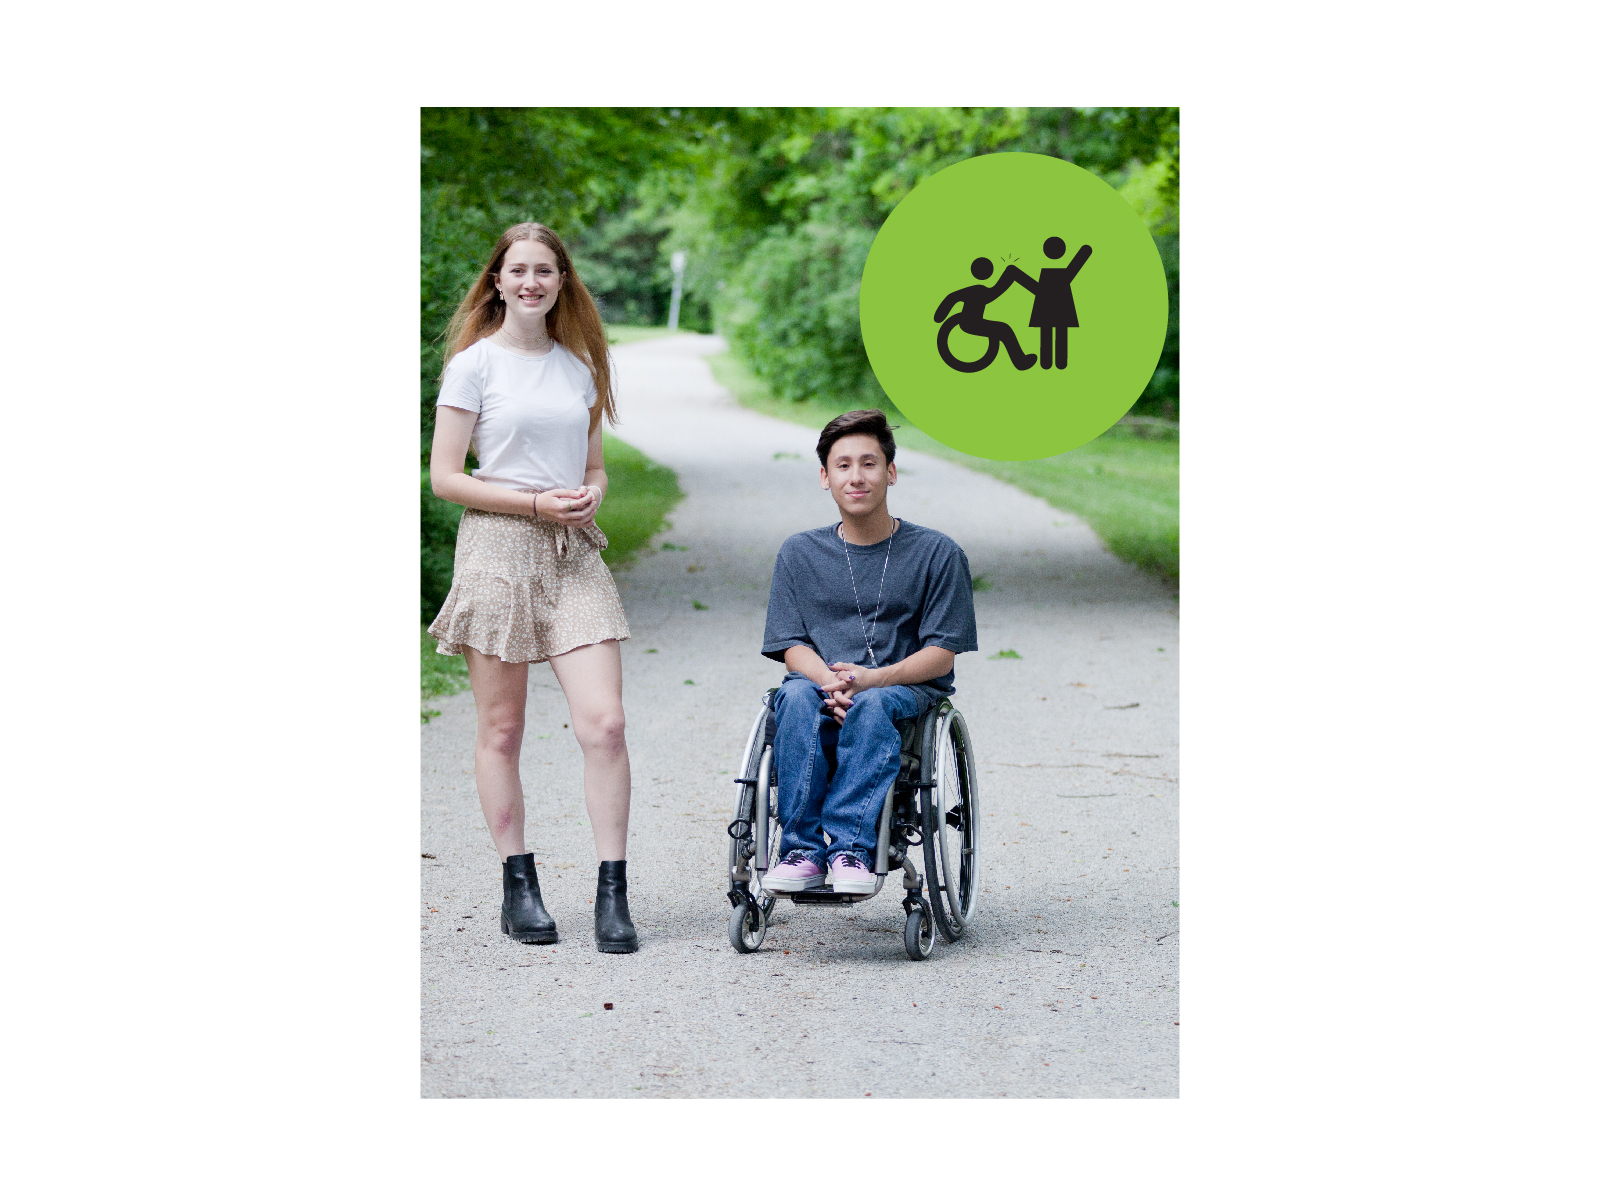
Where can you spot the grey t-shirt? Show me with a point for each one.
(927, 598)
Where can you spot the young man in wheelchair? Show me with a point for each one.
(868, 615)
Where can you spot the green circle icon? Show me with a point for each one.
(1014, 306)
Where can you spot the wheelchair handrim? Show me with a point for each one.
(745, 797)
(760, 819)
(958, 851)
(745, 764)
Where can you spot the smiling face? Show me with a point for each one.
(529, 279)
(857, 475)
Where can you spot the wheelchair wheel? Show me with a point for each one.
(757, 842)
(919, 933)
(748, 926)
(755, 849)
(950, 824)
(943, 341)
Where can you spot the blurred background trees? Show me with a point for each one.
(776, 208)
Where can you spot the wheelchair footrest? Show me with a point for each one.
(825, 895)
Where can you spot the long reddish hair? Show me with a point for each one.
(573, 320)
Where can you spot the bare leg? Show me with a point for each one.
(1045, 348)
(1061, 347)
(500, 691)
(592, 679)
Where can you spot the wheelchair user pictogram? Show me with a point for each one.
(1053, 314)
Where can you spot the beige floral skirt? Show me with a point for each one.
(526, 589)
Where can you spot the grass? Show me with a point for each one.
(640, 495)
(621, 335)
(1124, 484)
(441, 674)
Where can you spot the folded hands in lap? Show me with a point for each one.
(849, 681)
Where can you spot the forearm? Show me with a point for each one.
(803, 659)
(927, 663)
(595, 476)
(460, 488)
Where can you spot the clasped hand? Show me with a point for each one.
(849, 681)
(553, 505)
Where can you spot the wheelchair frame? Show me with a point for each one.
(933, 803)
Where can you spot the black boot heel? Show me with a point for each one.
(522, 910)
(614, 930)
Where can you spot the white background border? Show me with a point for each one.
(212, 298)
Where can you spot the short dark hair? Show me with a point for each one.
(868, 421)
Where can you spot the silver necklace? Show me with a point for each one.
(860, 619)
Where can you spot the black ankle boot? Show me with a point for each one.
(614, 931)
(522, 911)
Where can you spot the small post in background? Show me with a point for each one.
(679, 259)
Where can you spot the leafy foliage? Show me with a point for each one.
(442, 674)
(776, 209)
(619, 258)
(783, 205)
(439, 521)
(563, 163)
(791, 311)
(456, 238)
(484, 169)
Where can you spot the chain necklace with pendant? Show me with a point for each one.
(867, 638)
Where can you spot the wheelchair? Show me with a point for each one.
(933, 803)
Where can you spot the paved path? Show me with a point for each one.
(1067, 984)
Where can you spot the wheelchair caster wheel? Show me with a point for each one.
(919, 933)
(747, 926)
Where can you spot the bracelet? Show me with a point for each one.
(537, 494)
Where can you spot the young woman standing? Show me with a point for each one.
(526, 383)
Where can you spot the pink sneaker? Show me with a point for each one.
(796, 872)
(852, 875)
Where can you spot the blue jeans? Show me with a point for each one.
(833, 779)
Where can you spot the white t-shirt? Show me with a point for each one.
(533, 414)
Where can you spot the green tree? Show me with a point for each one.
(779, 208)
(775, 207)
(486, 168)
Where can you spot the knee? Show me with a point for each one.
(602, 732)
(874, 700)
(501, 735)
(797, 695)
(794, 689)
(874, 706)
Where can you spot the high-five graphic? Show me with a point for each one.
(1053, 314)
(1019, 214)
(971, 320)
